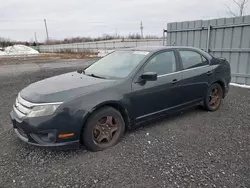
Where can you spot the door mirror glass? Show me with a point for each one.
(149, 76)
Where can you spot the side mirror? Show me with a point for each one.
(149, 76)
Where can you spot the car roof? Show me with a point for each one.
(157, 48)
(153, 49)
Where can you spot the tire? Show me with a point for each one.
(213, 98)
(103, 129)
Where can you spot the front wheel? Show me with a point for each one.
(213, 98)
(103, 129)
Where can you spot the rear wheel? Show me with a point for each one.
(103, 129)
(213, 97)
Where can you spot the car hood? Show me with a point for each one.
(63, 87)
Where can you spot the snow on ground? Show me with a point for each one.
(240, 85)
(2, 53)
(18, 50)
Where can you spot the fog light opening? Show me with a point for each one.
(52, 137)
(44, 137)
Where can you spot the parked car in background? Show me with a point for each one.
(94, 106)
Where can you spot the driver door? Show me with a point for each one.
(152, 98)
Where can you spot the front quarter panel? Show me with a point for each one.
(81, 107)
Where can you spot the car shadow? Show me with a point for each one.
(167, 118)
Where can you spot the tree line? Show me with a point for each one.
(7, 42)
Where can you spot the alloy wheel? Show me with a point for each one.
(105, 131)
(215, 98)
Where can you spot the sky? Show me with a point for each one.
(20, 19)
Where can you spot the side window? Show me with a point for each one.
(191, 59)
(162, 63)
(204, 60)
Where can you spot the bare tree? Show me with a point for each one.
(241, 4)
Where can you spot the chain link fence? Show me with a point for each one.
(98, 46)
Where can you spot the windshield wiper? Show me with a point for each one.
(95, 76)
(81, 71)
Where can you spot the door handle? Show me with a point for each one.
(174, 81)
(209, 72)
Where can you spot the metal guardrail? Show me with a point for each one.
(245, 50)
(206, 28)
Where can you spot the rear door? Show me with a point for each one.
(196, 76)
(155, 97)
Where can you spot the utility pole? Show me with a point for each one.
(46, 30)
(116, 34)
(141, 30)
(35, 37)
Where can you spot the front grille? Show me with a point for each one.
(22, 107)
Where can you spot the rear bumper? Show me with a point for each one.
(227, 87)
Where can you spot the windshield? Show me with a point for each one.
(118, 64)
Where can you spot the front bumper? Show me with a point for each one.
(33, 131)
(64, 145)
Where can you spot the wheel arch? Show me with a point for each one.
(120, 108)
(114, 104)
(223, 86)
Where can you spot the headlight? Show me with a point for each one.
(45, 110)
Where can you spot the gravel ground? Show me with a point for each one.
(191, 149)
